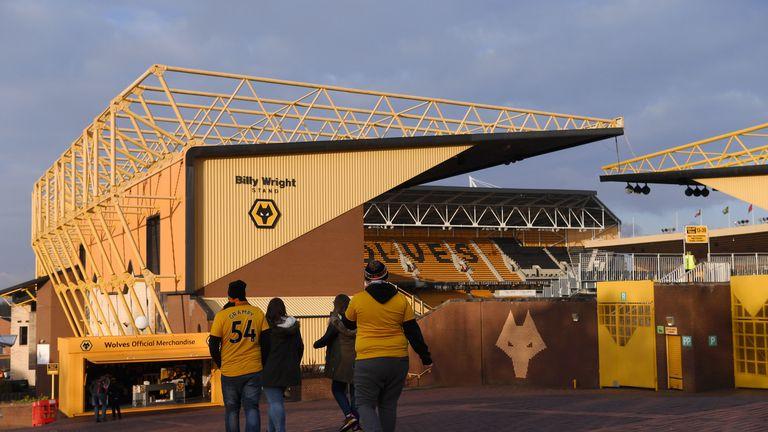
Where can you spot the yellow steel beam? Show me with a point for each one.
(268, 110)
(748, 146)
(168, 109)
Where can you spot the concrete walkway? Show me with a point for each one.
(495, 409)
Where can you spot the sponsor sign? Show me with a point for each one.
(52, 369)
(514, 293)
(696, 234)
(670, 330)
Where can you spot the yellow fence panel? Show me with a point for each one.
(625, 333)
(749, 305)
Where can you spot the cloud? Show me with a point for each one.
(676, 70)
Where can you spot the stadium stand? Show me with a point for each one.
(560, 254)
(386, 252)
(474, 262)
(450, 242)
(526, 256)
(497, 258)
(434, 261)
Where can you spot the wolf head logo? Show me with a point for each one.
(264, 212)
(520, 343)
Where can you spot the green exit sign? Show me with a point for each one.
(687, 341)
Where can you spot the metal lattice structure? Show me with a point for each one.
(84, 199)
(488, 208)
(745, 147)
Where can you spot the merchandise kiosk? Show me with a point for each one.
(152, 372)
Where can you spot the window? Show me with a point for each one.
(153, 244)
(23, 335)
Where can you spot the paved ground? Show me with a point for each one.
(498, 409)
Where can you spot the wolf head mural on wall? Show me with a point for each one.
(520, 343)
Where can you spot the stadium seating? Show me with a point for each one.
(416, 259)
(526, 256)
(494, 255)
(433, 260)
(560, 254)
(386, 252)
(466, 252)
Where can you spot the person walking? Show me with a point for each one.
(282, 352)
(386, 324)
(340, 361)
(235, 345)
(98, 389)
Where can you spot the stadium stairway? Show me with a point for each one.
(496, 257)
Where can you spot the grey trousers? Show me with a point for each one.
(378, 384)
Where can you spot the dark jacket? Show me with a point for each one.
(340, 352)
(281, 352)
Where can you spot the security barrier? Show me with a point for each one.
(44, 412)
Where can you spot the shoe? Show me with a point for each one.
(350, 422)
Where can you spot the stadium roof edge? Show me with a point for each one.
(678, 236)
(488, 149)
(686, 177)
(468, 189)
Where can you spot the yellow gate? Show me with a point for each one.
(749, 303)
(674, 362)
(625, 334)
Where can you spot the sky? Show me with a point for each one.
(677, 71)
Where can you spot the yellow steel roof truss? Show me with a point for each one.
(85, 197)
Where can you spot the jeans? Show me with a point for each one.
(276, 408)
(347, 404)
(242, 390)
(378, 384)
(100, 402)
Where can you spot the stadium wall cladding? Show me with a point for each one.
(554, 343)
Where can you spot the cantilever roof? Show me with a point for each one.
(437, 202)
(169, 109)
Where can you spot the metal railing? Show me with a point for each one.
(610, 266)
(705, 272)
(743, 264)
(588, 268)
